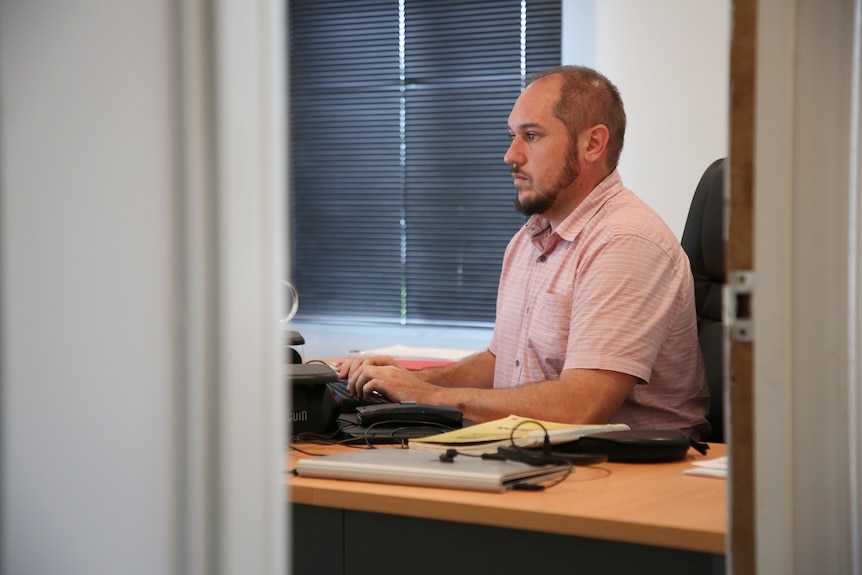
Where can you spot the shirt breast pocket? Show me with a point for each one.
(549, 326)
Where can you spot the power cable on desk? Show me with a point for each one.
(514, 452)
(311, 454)
(304, 452)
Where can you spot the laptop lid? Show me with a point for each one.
(424, 468)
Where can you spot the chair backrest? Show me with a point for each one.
(703, 241)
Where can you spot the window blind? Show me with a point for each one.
(401, 205)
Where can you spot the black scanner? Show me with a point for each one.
(319, 406)
(312, 409)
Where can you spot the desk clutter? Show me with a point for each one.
(514, 430)
(323, 410)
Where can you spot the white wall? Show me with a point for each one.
(670, 60)
(142, 419)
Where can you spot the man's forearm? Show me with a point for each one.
(476, 370)
(581, 396)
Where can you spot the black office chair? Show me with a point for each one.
(703, 241)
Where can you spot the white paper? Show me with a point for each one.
(709, 468)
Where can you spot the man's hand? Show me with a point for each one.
(350, 366)
(386, 376)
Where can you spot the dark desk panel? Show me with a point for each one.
(334, 541)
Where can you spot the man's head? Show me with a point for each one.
(587, 99)
(567, 131)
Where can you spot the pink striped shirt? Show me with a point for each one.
(609, 289)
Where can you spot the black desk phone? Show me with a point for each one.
(408, 414)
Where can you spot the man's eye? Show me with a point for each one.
(531, 137)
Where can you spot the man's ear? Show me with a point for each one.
(594, 142)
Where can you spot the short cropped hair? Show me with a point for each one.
(588, 98)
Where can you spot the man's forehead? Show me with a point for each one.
(534, 108)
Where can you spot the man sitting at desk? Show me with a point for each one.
(595, 309)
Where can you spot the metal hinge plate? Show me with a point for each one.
(737, 305)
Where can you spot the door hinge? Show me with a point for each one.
(737, 305)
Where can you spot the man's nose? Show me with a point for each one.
(513, 154)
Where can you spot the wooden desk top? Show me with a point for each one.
(650, 504)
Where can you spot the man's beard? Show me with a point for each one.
(544, 199)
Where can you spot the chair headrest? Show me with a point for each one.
(703, 239)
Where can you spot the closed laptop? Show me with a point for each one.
(423, 468)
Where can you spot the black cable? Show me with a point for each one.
(403, 425)
(523, 456)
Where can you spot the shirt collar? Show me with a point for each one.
(570, 227)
